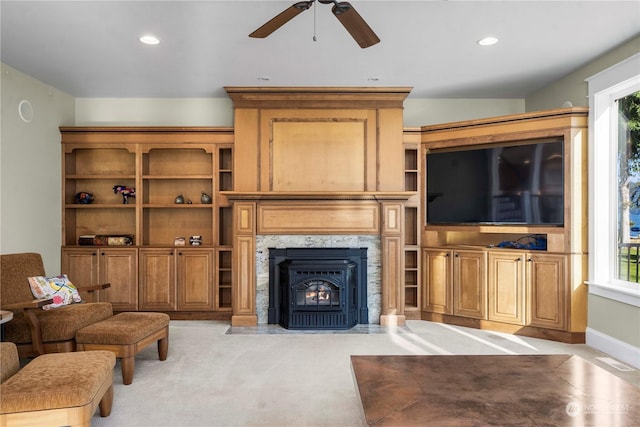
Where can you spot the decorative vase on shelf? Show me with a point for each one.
(179, 199)
(83, 198)
(205, 198)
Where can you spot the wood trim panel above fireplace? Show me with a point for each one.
(320, 217)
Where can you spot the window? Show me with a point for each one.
(614, 182)
(628, 174)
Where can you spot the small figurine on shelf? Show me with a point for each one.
(179, 199)
(84, 198)
(125, 191)
(205, 198)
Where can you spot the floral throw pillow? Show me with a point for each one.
(59, 288)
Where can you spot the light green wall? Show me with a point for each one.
(618, 320)
(422, 112)
(573, 87)
(30, 179)
(219, 112)
(154, 112)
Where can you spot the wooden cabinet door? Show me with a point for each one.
(506, 287)
(470, 284)
(195, 279)
(81, 265)
(119, 267)
(546, 275)
(157, 280)
(437, 281)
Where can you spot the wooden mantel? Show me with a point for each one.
(318, 160)
(318, 195)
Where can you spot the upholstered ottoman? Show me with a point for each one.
(58, 389)
(126, 334)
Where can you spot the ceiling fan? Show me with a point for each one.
(344, 11)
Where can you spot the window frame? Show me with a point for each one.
(604, 89)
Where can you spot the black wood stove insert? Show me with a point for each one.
(318, 288)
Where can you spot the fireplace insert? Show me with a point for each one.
(318, 288)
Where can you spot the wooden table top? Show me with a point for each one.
(492, 390)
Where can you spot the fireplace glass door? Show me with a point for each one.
(316, 294)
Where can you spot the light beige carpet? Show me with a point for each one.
(261, 378)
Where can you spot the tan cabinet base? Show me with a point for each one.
(528, 331)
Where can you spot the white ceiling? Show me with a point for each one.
(91, 48)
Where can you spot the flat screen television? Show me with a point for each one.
(520, 182)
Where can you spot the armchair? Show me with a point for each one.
(33, 330)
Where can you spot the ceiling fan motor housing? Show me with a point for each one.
(303, 5)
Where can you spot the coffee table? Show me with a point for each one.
(492, 390)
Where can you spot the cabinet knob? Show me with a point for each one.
(180, 253)
(529, 259)
(94, 254)
(518, 259)
(446, 255)
(456, 255)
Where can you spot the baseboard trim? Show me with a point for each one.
(619, 349)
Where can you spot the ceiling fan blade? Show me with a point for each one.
(280, 19)
(354, 24)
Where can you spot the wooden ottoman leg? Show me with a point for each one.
(163, 347)
(106, 403)
(128, 365)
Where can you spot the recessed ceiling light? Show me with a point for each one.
(488, 41)
(264, 78)
(374, 79)
(149, 39)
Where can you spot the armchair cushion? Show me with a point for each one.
(60, 324)
(9, 360)
(53, 381)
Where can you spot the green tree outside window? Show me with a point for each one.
(629, 187)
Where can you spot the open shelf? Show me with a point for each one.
(224, 279)
(161, 163)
